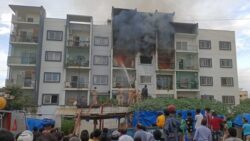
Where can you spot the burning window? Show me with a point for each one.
(146, 59)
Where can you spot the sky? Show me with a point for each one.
(210, 14)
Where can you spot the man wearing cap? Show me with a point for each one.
(25, 136)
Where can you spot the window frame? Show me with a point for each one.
(206, 59)
(145, 76)
(101, 56)
(54, 31)
(231, 85)
(226, 98)
(168, 76)
(210, 44)
(100, 83)
(47, 94)
(151, 63)
(46, 58)
(206, 81)
(101, 37)
(226, 66)
(51, 73)
(221, 44)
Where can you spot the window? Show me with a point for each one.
(30, 19)
(181, 45)
(228, 100)
(227, 81)
(53, 56)
(54, 35)
(206, 81)
(204, 44)
(101, 60)
(208, 97)
(146, 59)
(101, 41)
(224, 45)
(100, 80)
(52, 77)
(206, 62)
(164, 82)
(145, 79)
(50, 99)
(226, 63)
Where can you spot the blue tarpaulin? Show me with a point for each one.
(39, 123)
(238, 121)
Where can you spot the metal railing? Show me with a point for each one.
(187, 48)
(19, 38)
(21, 82)
(191, 84)
(165, 65)
(77, 62)
(22, 60)
(76, 84)
(72, 43)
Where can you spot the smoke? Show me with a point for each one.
(137, 31)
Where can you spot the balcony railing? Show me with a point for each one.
(123, 84)
(72, 43)
(165, 65)
(187, 84)
(192, 48)
(76, 84)
(77, 62)
(22, 60)
(19, 38)
(24, 19)
(23, 83)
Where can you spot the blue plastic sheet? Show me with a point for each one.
(238, 121)
(34, 123)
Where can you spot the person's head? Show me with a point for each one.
(25, 136)
(35, 129)
(84, 135)
(204, 122)
(47, 137)
(214, 114)
(157, 134)
(232, 132)
(207, 110)
(6, 135)
(139, 126)
(96, 134)
(137, 139)
(171, 109)
(91, 135)
(245, 120)
(145, 86)
(115, 135)
(74, 139)
(66, 139)
(95, 88)
(105, 130)
(160, 113)
(198, 111)
(189, 114)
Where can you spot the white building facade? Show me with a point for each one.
(60, 61)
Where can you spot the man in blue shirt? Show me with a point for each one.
(203, 133)
(246, 129)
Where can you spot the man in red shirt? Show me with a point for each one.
(216, 127)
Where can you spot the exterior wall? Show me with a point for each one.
(48, 66)
(101, 31)
(216, 72)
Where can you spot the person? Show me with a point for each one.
(157, 135)
(104, 135)
(84, 135)
(232, 135)
(246, 130)
(74, 139)
(124, 136)
(36, 133)
(182, 126)
(94, 96)
(172, 125)
(140, 133)
(198, 118)
(189, 126)
(144, 93)
(97, 135)
(25, 136)
(91, 137)
(115, 135)
(208, 116)
(130, 96)
(160, 121)
(216, 123)
(6, 135)
(203, 133)
(119, 97)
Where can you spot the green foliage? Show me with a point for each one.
(183, 104)
(67, 126)
(243, 107)
(20, 102)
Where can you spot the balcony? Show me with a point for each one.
(25, 20)
(21, 61)
(187, 81)
(187, 48)
(77, 62)
(123, 84)
(76, 85)
(187, 61)
(24, 83)
(15, 39)
(186, 84)
(78, 44)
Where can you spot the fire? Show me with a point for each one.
(121, 59)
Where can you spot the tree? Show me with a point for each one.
(20, 101)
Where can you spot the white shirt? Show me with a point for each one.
(198, 119)
(125, 138)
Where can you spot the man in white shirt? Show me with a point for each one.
(198, 118)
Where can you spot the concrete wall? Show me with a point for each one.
(216, 72)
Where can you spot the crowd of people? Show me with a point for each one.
(172, 127)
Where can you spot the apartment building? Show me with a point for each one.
(59, 62)
(243, 94)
